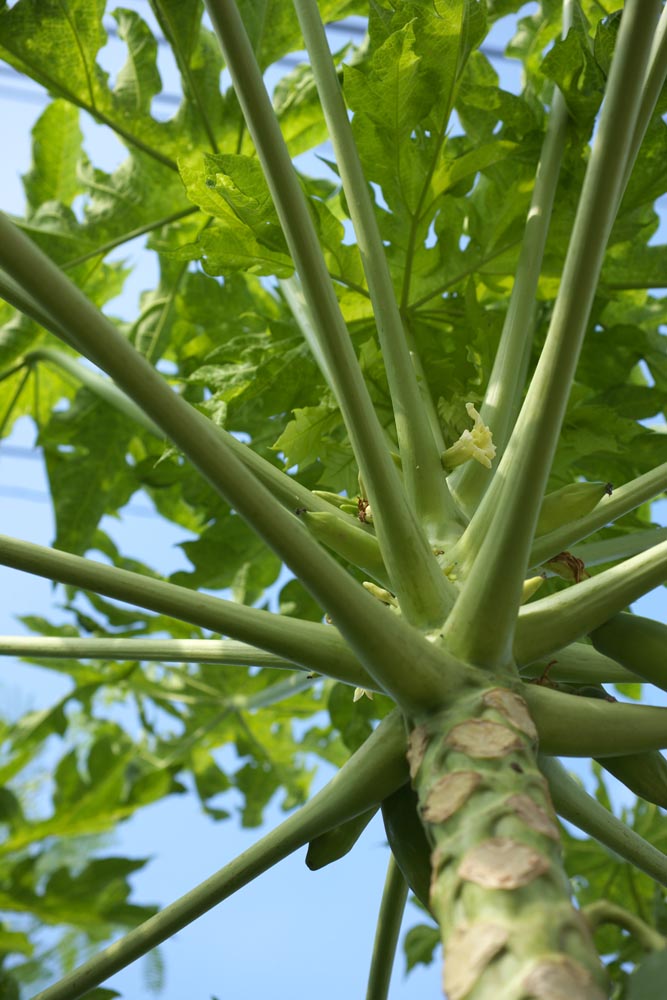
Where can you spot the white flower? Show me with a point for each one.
(360, 692)
(476, 443)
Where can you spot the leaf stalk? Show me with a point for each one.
(410, 667)
(426, 486)
(578, 807)
(424, 593)
(552, 622)
(394, 898)
(372, 773)
(496, 544)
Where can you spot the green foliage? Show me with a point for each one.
(420, 944)
(646, 981)
(451, 157)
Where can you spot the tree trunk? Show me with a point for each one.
(498, 888)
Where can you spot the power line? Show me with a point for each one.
(27, 95)
(17, 451)
(21, 453)
(39, 496)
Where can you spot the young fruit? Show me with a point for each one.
(645, 774)
(336, 843)
(569, 504)
(408, 841)
(335, 499)
(348, 539)
(637, 643)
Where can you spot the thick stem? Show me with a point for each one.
(553, 622)
(578, 807)
(579, 663)
(223, 651)
(498, 889)
(372, 773)
(426, 487)
(348, 539)
(653, 84)
(637, 643)
(644, 774)
(603, 912)
(571, 725)
(624, 499)
(502, 398)
(337, 842)
(496, 544)
(622, 547)
(424, 593)
(102, 387)
(399, 654)
(394, 898)
(308, 644)
(312, 646)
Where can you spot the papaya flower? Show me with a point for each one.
(360, 692)
(476, 444)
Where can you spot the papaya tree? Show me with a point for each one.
(418, 380)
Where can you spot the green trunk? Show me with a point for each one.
(498, 888)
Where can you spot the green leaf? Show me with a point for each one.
(210, 779)
(571, 64)
(64, 58)
(353, 719)
(228, 554)
(56, 153)
(65, 62)
(246, 235)
(10, 808)
(232, 247)
(138, 81)
(598, 873)
(95, 898)
(297, 106)
(199, 63)
(397, 123)
(14, 942)
(647, 982)
(420, 945)
(85, 449)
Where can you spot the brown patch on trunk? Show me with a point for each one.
(469, 951)
(561, 979)
(480, 738)
(513, 707)
(448, 795)
(417, 743)
(502, 863)
(533, 815)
